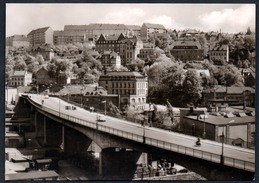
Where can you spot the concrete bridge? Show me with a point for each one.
(123, 142)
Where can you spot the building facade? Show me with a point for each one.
(234, 95)
(66, 37)
(237, 128)
(146, 53)
(219, 54)
(17, 41)
(110, 58)
(45, 50)
(20, 78)
(41, 36)
(148, 28)
(129, 49)
(187, 50)
(109, 43)
(131, 86)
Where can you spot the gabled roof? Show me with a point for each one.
(186, 43)
(220, 48)
(40, 30)
(156, 26)
(231, 90)
(18, 38)
(19, 73)
(111, 53)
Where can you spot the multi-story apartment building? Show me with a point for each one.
(129, 49)
(219, 53)
(17, 41)
(41, 36)
(110, 58)
(234, 94)
(146, 53)
(109, 43)
(148, 28)
(20, 78)
(187, 50)
(66, 37)
(134, 30)
(93, 31)
(131, 86)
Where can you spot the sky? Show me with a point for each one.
(231, 18)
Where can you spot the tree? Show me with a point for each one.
(248, 32)
(39, 58)
(191, 87)
(137, 65)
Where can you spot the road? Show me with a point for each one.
(56, 104)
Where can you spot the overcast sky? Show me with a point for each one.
(232, 18)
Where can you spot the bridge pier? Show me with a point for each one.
(120, 163)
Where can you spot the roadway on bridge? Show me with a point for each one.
(159, 134)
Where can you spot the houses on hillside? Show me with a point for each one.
(20, 78)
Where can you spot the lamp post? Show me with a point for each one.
(82, 97)
(6, 86)
(144, 131)
(104, 107)
(204, 130)
(222, 150)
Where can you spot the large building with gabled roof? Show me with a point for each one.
(20, 78)
(40, 36)
(109, 43)
(148, 28)
(187, 50)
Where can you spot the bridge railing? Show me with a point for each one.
(228, 161)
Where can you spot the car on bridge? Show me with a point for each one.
(101, 118)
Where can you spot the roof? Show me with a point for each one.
(31, 175)
(96, 27)
(220, 48)
(112, 53)
(18, 38)
(222, 121)
(186, 43)
(156, 26)
(44, 29)
(69, 33)
(19, 73)
(230, 90)
(133, 27)
(122, 73)
(202, 72)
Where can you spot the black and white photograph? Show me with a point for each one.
(130, 91)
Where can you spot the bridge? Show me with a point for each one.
(212, 160)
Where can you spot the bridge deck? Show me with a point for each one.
(209, 150)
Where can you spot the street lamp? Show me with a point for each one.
(222, 151)
(104, 107)
(204, 130)
(144, 133)
(82, 97)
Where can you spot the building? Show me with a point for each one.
(232, 126)
(43, 77)
(93, 31)
(109, 43)
(45, 50)
(17, 41)
(68, 36)
(129, 49)
(134, 30)
(20, 78)
(41, 36)
(131, 86)
(249, 76)
(187, 50)
(110, 58)
(148, 28)
(219, 54)
(234, 95)
(146, 54)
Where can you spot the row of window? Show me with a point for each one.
(17, 78)
(123, 85)
(16, 83)
(124, 91)
(218, 54)
(139, 100)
